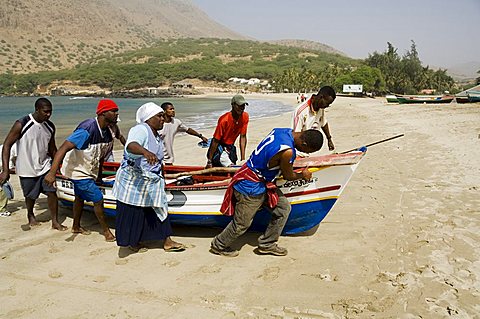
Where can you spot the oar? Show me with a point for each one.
(375, 143)
(204, 171)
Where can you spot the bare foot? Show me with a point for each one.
(33, 222)
(81, 230)
(59, 227)
(109, 236)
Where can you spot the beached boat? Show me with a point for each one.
(391, 98)
(420, 99)
(195, 194)
(469, 96)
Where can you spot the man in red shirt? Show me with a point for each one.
(222, 151)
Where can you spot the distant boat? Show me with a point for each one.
(468, 97)
(420, 99)
(471, 95)
(80, 97)
(391, 98)
(473, 98)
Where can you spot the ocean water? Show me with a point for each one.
(197, 113)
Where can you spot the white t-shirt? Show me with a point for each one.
(32, 147)
(304, 118)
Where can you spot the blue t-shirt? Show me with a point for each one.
(278, 140)
(92, 144)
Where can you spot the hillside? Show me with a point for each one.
(308, 45)
(40, 35)
(168, 61)
(464, 71)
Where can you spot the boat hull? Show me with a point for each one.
(188, 205)
(391, 98)
(424, 100)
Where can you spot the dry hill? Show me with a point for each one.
(309, 45)
(55, 34)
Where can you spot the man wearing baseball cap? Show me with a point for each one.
(222, 150)
(84, 152)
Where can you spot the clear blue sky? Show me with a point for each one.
(446, 32)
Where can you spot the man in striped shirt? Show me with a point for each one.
(311, 114)
(35, 138)
(84, 152)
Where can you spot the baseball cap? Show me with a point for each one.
(239, 100)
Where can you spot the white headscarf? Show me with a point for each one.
(147, 111)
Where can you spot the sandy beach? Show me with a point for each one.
(401, 242)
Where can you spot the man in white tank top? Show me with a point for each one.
(35, 138)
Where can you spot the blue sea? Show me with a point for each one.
(197, 113)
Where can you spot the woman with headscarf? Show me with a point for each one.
(142, 211)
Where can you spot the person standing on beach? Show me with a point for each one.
(87, 148)
(222, 151)
(142, 209)
(311, 113)
(253, 186)
(34, 135)
(170, 128)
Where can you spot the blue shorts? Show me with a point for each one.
(87, 190)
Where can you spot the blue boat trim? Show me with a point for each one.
(304, 216)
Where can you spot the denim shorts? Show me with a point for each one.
(87, 190)
(33, 186)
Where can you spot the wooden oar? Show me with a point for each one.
(375, 143)
(204, 171)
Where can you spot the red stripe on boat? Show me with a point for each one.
(314, 191)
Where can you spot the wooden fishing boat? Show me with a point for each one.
(421, 99)
(471, 95)
(474, 98)
(391, 98)
(195, 194)
(461, 99)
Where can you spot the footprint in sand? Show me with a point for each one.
(100, 279)
(55, 274)
(171, 263)
(122, 261)
(210, 269)
(53, 249)
(270, 274)
(99, 251)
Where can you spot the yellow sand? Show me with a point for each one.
(401, 242)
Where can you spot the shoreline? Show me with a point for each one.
(401, 241)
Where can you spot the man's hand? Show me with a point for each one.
(306, 174)
(50, 179)
(209, 164)
(4, 176)
(331, 147)
(116, 130)
(204, 139)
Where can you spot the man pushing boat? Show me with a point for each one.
(253, 186)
